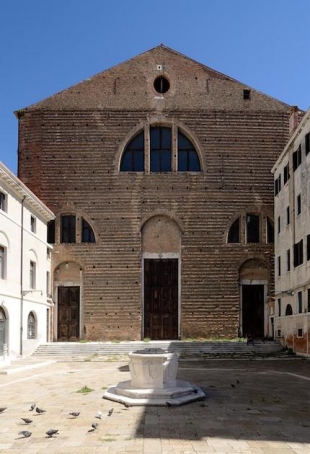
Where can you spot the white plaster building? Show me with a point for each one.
(292, 240)
(25, 287)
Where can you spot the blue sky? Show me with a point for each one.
(49, 45)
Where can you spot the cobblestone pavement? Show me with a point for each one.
(254, 407)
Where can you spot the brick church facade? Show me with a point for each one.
(158, 172)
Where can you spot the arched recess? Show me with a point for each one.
(3, 330)
(33, 256)
(161, 245)
(32, 325)
(68, 314)
(254, 283)
(4, 240)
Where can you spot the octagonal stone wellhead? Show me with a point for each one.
(153, 381)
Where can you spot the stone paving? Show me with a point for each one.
(252, 406)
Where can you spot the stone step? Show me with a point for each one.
(183, 348)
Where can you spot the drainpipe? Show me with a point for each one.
(307, 331)
(21, 275)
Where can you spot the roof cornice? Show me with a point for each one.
(292, 139)
(23, 192)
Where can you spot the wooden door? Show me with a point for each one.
(68, 313)
(161, 299)
(253, 310)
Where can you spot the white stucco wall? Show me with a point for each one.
(17, 298)
(297, 279)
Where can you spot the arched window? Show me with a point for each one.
(133, 156)
(31, 326)
(234, 232)
(163, 141)
(188, 160)
(288, 310)
(87, 233)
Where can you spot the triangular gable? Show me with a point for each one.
(130, 85)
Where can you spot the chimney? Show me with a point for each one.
(295, 118)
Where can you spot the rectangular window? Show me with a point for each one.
(279, 307)
(270, 231)
(298, 253)
(33, 224)
(279, 266)
(299, 332)
(2, 262)
(277, 185)
(51, 232)
(299, 301)
(48, 284)
(32, 276)
(252, 228)
(288, 260)
(279, 224)
(298, 204)
(288, 217)
(2, 201)
(68, 229)
(297, 158)
(307, 143)
(246, 93)
(286, 173)
(160, 149)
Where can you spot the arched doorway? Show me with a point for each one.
(68, 316)
(161, 240)
(254, 279)
(2, 330)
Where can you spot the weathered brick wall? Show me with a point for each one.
(79, 166)
(69, 155)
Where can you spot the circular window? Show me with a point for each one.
(161, 84)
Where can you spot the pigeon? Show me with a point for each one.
(110, 412)
(27, 420)
(99, 416)
(40, 410)
(25, 433)
(232, 385)
(126, 405)
(195, 391)
(74, 413)
(51, 432)
(238, 382)
(33, 406)
(94, 427)
(2, 409)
